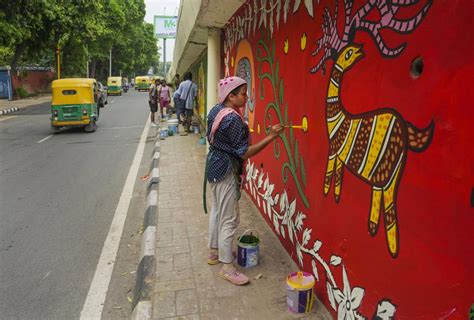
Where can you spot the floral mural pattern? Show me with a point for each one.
(356, 29)
(288, 221)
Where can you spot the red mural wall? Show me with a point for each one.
(371, 186)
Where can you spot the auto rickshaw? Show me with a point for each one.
(114, 85)
(142, 83)
(74, 104)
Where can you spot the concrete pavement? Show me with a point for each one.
(7, 107)
(185, 286)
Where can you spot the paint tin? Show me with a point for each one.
(299, 293)
(247, 249)
(195, 128)
(163, 133)
(173, 125)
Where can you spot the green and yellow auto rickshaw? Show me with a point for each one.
(74, 104)
(142, 83)
(114, 85)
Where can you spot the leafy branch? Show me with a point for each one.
(295, 163)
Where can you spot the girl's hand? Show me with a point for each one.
(276, 129)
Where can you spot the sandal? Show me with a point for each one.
(213, 259)
(234, 276)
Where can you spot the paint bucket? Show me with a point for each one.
(163, 133)
(173, 125)
(195, 128)
(299, 293)
(247, 249)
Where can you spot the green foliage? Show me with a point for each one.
(21, 92)
(85, 30)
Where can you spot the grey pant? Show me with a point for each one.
(224, 218)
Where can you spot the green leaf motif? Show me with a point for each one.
(303, 172)
(296, 154)
(282, 91)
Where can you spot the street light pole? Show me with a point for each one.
(164, 57)
(110, 63)
(58, 55)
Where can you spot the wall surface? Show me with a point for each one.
(34, 81)
(199, 71)
(375, 198)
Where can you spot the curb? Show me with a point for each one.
(142, 305)
(9, 110)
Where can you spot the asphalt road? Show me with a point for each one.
(58, 195)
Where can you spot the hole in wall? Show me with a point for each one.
(261, 165)
(416, 68)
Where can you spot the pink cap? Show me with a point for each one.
(226, 85)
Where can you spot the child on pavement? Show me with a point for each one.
(228, 136)
(153, 101)
(165, 98)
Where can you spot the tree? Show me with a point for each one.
(85, 30)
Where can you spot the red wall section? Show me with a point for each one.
(375, 198)
(34, 81)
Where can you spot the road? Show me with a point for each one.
(58, 196)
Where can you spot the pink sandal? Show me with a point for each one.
(234, 276)
(213, 259)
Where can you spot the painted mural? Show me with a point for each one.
(394, 135)
(199, 72)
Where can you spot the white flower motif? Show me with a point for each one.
(260, 179)
(299, 221)
(249, 168)
(289, 211)
(284, 202)
(307, 3)
(385, 310)
(267, 196)
(349, 300)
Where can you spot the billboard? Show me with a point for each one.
(165, 26)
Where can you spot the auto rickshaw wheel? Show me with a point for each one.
(56, 129)
(91, 127)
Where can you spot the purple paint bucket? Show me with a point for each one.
(299, 293)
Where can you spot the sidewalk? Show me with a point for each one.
(7, 107)
(186, 287)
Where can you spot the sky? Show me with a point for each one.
(162, 7)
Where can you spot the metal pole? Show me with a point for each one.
(164, 57)
(9, 84)
(87, 65)
(58, 52)
(110, 63)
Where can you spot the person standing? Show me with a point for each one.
(165, 98)
(153, 100)
(229, 146)
(186, 96)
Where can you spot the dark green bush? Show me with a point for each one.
(21, 92)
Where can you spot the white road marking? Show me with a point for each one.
(112, 101)
(95, 299)
(44, 139)
(129, 127)
(6, 118)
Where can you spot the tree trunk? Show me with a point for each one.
(17, 55)
(92, 69)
